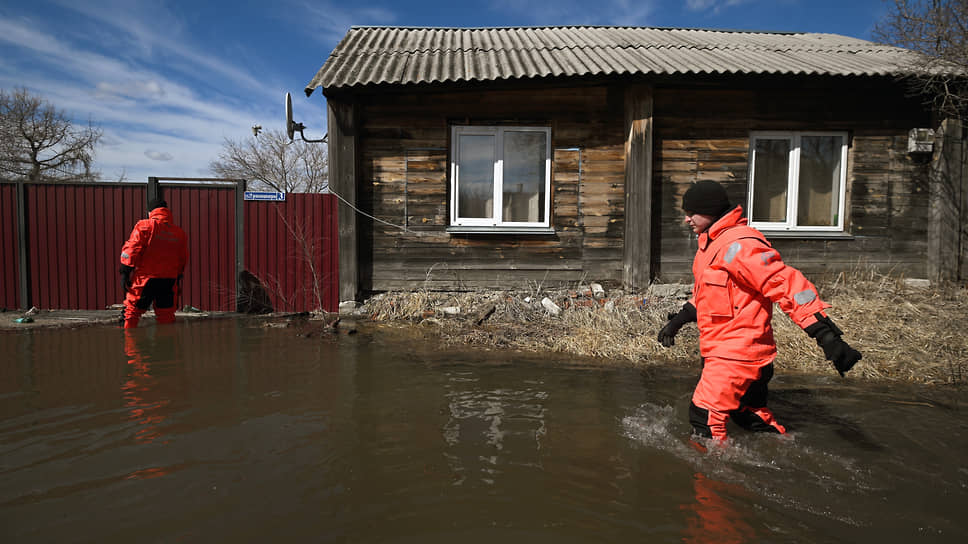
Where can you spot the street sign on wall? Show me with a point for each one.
(269, 196)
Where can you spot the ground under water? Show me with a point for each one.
(231, 431)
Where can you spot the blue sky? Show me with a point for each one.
(169, 80)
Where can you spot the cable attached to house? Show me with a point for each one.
(361, 212)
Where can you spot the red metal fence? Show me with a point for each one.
(74, 234)
(291, 247)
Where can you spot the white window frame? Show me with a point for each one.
(793, 181)
(496, 221)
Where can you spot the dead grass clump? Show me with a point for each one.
(905, 333)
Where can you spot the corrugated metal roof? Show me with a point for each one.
(407, 55)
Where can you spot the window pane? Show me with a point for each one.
(771, 172)
(524, 176)
(818, 203)
(475, 178)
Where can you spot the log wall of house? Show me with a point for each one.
(403, 146)
(704, 134)
(701, 130)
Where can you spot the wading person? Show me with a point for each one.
(152, 263)
(738, 276)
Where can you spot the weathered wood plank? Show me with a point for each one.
(342, 149)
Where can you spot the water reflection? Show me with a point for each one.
(145, 404)
(505, 426)
(714, 517)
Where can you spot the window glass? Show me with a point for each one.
(771, 172)
(475, 189)
(818, 197)
(524, 176)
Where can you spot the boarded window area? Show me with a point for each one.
(426, 175)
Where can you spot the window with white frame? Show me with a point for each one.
(797, 180)
(500, 176)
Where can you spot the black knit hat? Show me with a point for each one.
(706, 198)
(157, 203)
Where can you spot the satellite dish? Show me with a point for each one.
(292, 127)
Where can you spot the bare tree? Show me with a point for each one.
(38, 142)
(270, 160)
(939, 30)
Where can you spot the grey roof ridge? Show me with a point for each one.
(873, 47)
(526, 27)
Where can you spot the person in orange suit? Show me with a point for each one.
(738, 276)
(152, 264)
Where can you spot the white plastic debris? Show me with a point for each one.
(550, 306)
(347, 307)
(598, 292)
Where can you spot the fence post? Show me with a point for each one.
(22, 239)
(154, 190)
(239, 235)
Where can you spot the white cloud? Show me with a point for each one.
(714, 6)
(130, 154)
(158, 155)
(136, 89)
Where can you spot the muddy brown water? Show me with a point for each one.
(229, 431)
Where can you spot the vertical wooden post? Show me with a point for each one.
(960, 170)
(341, 120)
(638, 186)
(948, 202)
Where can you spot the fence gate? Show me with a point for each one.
(209, 211)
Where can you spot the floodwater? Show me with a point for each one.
(228, 431)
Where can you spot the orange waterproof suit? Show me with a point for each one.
(738, 276)
(158, 251)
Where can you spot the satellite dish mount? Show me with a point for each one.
(292, 127)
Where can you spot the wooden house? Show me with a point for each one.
(508, 157)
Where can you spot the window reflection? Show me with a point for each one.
(819, 196)
(524, 176)
(771, 170)
(496, 427)
(476, 182)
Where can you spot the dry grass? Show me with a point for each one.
(905, 333)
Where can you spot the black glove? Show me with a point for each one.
(126, 277)
(827, 335)
(667, 336)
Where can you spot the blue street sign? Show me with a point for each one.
(265, 195)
